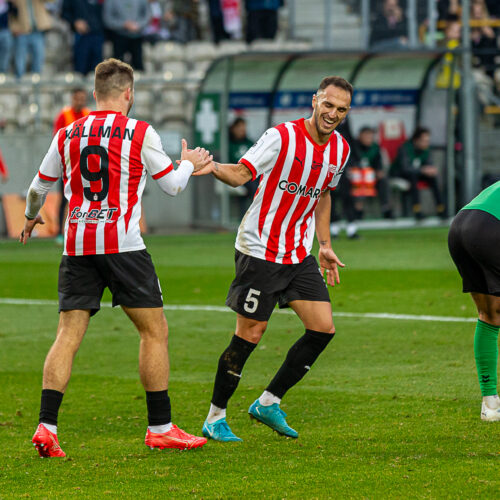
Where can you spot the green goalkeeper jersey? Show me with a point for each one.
(487, 200)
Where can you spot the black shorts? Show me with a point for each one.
(474, 243)
(259, 285)
(130, 276)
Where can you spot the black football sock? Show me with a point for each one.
(229, 370)
(49, 407)
(298, 362)
(158, 403)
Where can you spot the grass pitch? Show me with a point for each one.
(390, 410)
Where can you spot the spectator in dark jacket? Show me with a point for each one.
(85, 18)
(414, 163)
(127, 21)
(217, 21)
(262, 18)
(389, 29)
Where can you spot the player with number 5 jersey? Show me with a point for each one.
(104, 160)
(299, 163)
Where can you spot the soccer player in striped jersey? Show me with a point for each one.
(299, 162)
(104, 159)
(474, 243)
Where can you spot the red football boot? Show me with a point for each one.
(174, 438)
(46, 443)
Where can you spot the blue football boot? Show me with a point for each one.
(219, 431)
(273, 416)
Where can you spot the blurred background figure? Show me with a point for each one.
(156, 29)
(389, 27)
(5, 37)
(76, 110)
(28, 21)
(239, 144)
(127, 21)
(262, 19)
(217, 21)
(4, 171)
(85, 19)
(182, 20)
(368, 177)
(414, 163)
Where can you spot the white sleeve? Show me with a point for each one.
(336, 177)
(37, 193)
(159, 165)
(51, 167)
(262, 156)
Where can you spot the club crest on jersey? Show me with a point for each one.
(332, 168)
(300, 189)
(94, 216)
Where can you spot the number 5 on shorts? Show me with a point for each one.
(251, 302)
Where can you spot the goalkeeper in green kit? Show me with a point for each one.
(474, 243)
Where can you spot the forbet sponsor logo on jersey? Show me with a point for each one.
(93, 217)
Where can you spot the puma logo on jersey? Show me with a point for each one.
(300, 189)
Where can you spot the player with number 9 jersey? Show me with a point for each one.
(104, 159)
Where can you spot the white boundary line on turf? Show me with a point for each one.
(201, 308)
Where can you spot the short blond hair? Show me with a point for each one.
(112, 77)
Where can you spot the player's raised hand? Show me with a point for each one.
(330, 264)
(28, 228)
(199, 157)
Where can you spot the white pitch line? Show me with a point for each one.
(222, 309)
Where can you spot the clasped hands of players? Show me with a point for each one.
(199, 157)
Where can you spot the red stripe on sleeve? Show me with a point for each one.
(250, 167)
(47, 178)
(163, 173)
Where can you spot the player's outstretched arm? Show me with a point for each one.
(229, 173)
(34, 202)
(328, 261)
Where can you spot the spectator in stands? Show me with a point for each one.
(182, 20)
(389, 29)
(414, 163)
(156, 29)
(447, 8)
(368, 177)
(4, 171)
(493, 7)
(262, 18)
(28, 20)
(76, 110)
(5, 37)
(85, 19)
(217, 21)
(239, 144)
(483, 39)
(126, 21)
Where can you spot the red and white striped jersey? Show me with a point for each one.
(279, 225)
(103, 159)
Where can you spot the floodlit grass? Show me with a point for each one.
(390, 410)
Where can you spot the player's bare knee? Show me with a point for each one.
(252, 331)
